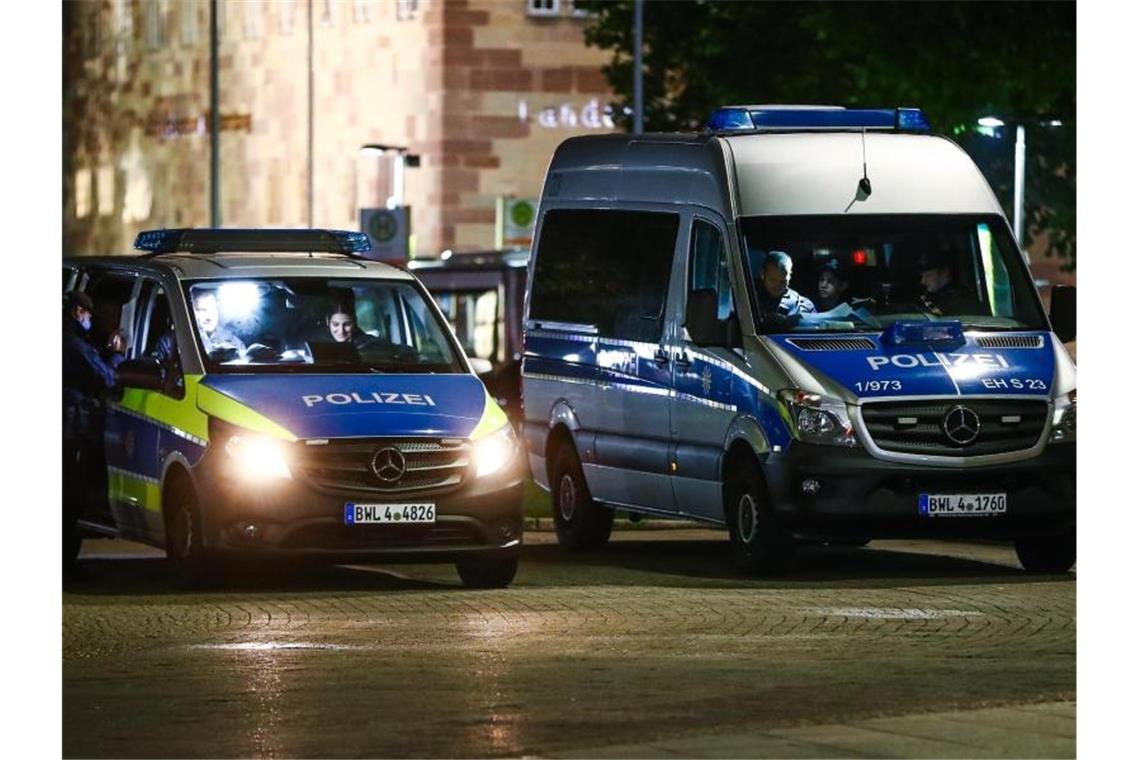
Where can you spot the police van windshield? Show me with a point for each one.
(862, 273)
(313, 324)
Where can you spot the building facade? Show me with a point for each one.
(482, 90)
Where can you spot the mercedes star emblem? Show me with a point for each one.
(961, 425)
(389, 464)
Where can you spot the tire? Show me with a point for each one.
(850, 543)
(488, 573)
(1051, 554)
(189, 559)
(758, 543)
(579, 521)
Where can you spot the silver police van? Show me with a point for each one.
(802, 323)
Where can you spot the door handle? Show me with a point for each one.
(660, 358)
(683, 362)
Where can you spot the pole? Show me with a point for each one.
(1019, 186)
(310, 146)
(638, 113)
(215, 149)
(397, 199)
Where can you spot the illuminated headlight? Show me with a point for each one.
(1064, 418)
(495, 451)
(257, 457)
(818, 419)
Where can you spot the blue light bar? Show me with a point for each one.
(943, 332)
(736, 118)
(224, 240)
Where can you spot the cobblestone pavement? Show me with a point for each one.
(652, 640)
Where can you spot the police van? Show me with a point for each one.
(283, 395)
(801, 323)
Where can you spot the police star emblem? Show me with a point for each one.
(706, 381)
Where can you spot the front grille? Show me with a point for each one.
(832, 344)
(345, 465)
(911, 427)
(1010, 341)
(364, 537)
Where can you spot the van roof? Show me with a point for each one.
(778, 173)
(193, 266)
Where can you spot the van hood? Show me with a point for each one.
(338, 405)
(869, 365)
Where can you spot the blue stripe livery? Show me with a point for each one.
(931, 369)
(334, 406)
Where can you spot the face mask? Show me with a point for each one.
(85, 323)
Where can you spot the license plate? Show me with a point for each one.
(961, 504)
(370, 514)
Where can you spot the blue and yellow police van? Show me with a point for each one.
(283, 395)
(801, 323)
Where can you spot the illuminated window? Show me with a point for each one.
(542, 7)
(189, 17)
(327, 13)
(251, 23)
(105, 189)
(361, 11)
(124, 20)
(82, 193)
(286, 16)
(155, 24)
(406, 10)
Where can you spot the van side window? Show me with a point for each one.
(156, 338)
(708, 266)
(605, 268)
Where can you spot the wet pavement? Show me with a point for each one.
(651, 647)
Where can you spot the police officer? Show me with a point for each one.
(87, 377)
(780, 306)
(941, 295)
(832, 285)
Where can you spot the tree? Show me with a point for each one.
(958, 61)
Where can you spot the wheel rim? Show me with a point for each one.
(746, 518)
(567, 498)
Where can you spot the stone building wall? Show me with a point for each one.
(481, 90)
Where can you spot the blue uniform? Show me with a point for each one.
(87, 376)
(785, 312)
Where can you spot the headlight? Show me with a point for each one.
(818, 419)
(257, 457)
(495, 451)
(1064, 418)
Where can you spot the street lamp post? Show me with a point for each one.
(993, 122)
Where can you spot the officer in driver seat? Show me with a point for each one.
(941, 295)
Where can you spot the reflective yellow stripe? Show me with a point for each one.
(182, 413)
(493, 418)
(134, 489)
(225, 408)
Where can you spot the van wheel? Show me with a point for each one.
(1051, 554)
(188, 557)
(580, 522)
(488, 573)
(758, 543)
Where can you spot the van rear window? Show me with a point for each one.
(605, 268)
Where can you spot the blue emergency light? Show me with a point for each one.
(226, 240)
(789, 118)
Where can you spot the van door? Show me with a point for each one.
(704, 367)
(134, 433)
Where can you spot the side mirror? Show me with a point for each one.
(143, 373)
(1063, 312)
(480, 366)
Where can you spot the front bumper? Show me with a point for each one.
(864, 497)
(480, 519)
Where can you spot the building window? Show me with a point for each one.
(286, 16)
(326, 13)
(105, 189)
(124, 21)
(251, 22)
(361, 11)
(542, 7)
(82, 193)
(577, 12)
(155, 24)
(189, 19)
(406, 10)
